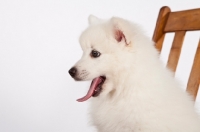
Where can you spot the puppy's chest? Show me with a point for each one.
(116, 115)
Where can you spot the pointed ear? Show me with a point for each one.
(119, 35)
(93, 20)
(121, 31)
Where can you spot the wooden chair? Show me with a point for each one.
(179, 22)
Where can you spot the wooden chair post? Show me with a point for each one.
(194, 79)
(159, 33)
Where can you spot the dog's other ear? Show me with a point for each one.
(93, 20)
(121, 31)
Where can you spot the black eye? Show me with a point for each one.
(95, 54)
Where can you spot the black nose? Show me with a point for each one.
(72, 71)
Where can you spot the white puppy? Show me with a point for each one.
(131, 89)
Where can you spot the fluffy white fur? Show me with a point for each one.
(139, 94)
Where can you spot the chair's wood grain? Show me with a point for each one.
(183, 21)
(175, 50)
(159, 33)
(194, 79)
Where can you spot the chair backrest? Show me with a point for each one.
(179, 22)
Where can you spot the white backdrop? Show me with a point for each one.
(38, 45)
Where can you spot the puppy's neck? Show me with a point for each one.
(116, 85)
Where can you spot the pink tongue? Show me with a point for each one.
(94, 84)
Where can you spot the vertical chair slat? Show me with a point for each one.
(194, 79)
(175, 50)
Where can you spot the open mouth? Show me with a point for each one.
(95, 88)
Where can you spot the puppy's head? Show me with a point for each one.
(105, 46)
